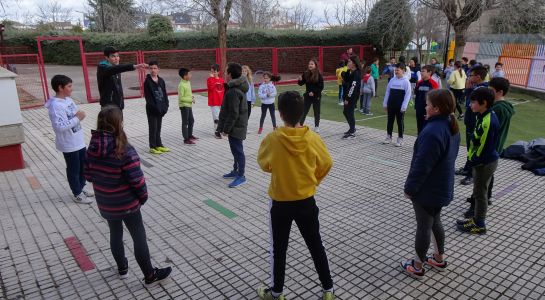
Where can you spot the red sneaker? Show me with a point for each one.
(194, 138)
(190, 142)
(260, 130)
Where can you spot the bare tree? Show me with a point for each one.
(301, 16)
(348, 13)
(525, 16)
(460, 14)
(428, 27)
(256, 13)
(53, 12)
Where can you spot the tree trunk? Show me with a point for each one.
(460, 41)
(222, 44)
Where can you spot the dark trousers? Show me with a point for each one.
(348, 112)
(187, 122)
(428, 221)
(238, 154)
(305, 214)
(249, 109)
(459, 96)
(135, 226)
(154, 125)
(315, 103)
(264, 108)
(420, 116)
(482, 176)
(74, 170)
(376, 86)
(395, 114)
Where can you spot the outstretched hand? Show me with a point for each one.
(141, 66)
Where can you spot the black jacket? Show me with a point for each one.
(233, 118)
(156, 96)
(351, 85)
(315, 87)
(109, 83)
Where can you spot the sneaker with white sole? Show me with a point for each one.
(88, 193)
(387, 140)
(123, 271)
(82, 199)
(266, 294)
(317, 129)
(410, 269)
(399, 142)
(432, 262)
(158, 276)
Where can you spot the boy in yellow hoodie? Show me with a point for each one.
(298, 160)
(185, 101)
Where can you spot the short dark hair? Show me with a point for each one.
(429, 68)
(153, 63)
(291, 105)
(451, 60)
(498, 64)
(500, 84)
(183, 72)
(481, 95)
(401, 59)
(472, 62)
(215, 67)
(392, 57)
(401, 66)
(235, 70)
(109, 50)
(60, 80)
(480, 71)
(465, 59)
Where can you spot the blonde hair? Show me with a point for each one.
(249, 75)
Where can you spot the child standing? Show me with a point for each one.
(396, 100)
(298, 161)
(156, 96)
(338, 72)
(186, 100)
(113, 166)
(267, 94)
(234, 121)
(499, 71)
(375, 74)
(389, 69)
(423, 86)
(483, 157)
(66, 122)
(250, 95)
(352, 82)
(367, 91)
(215, 95)
(457, 82)
(415, 72)
(430, 182)
(314, 85)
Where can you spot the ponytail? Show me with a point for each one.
(454, 129)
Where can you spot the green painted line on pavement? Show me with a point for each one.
(383, 161)
(221, 209)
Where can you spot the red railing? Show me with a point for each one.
(29, 81)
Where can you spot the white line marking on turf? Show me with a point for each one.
(371, 118)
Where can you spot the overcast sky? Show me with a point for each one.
(18, 9)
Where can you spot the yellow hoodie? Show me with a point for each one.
(297, 159)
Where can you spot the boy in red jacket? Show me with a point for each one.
(215, 95)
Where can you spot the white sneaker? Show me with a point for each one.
(82, 199)
(399, 142)
(317, 129)
(88, 193)
(341, 103)
(388, 140)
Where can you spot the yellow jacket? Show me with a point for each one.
(338, 72)
(297, 159)
(457, 82)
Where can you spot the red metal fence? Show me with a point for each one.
(525, 72)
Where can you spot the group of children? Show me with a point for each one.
(296, 157)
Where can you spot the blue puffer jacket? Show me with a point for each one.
(430, 181)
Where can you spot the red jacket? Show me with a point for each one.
(215, 91)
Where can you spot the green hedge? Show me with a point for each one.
(67, 52)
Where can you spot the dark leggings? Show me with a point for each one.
(249, 109)
(135, 226)
(395, 114)
(428, 221)
(305, 214)
(348, 112)
(459, 96)
(315, 103)
(264, 108)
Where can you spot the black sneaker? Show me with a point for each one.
(158, 275)
(461, 222)
(466, 181)
(462, 172)
(348, 136)
(470, 213)
(218, 135)
(124, 270)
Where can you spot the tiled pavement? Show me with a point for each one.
(367, 224)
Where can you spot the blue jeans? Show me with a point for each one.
(341, 93)
(238, 155)
(74, 170)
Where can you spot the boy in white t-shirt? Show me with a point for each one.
(66, 122)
